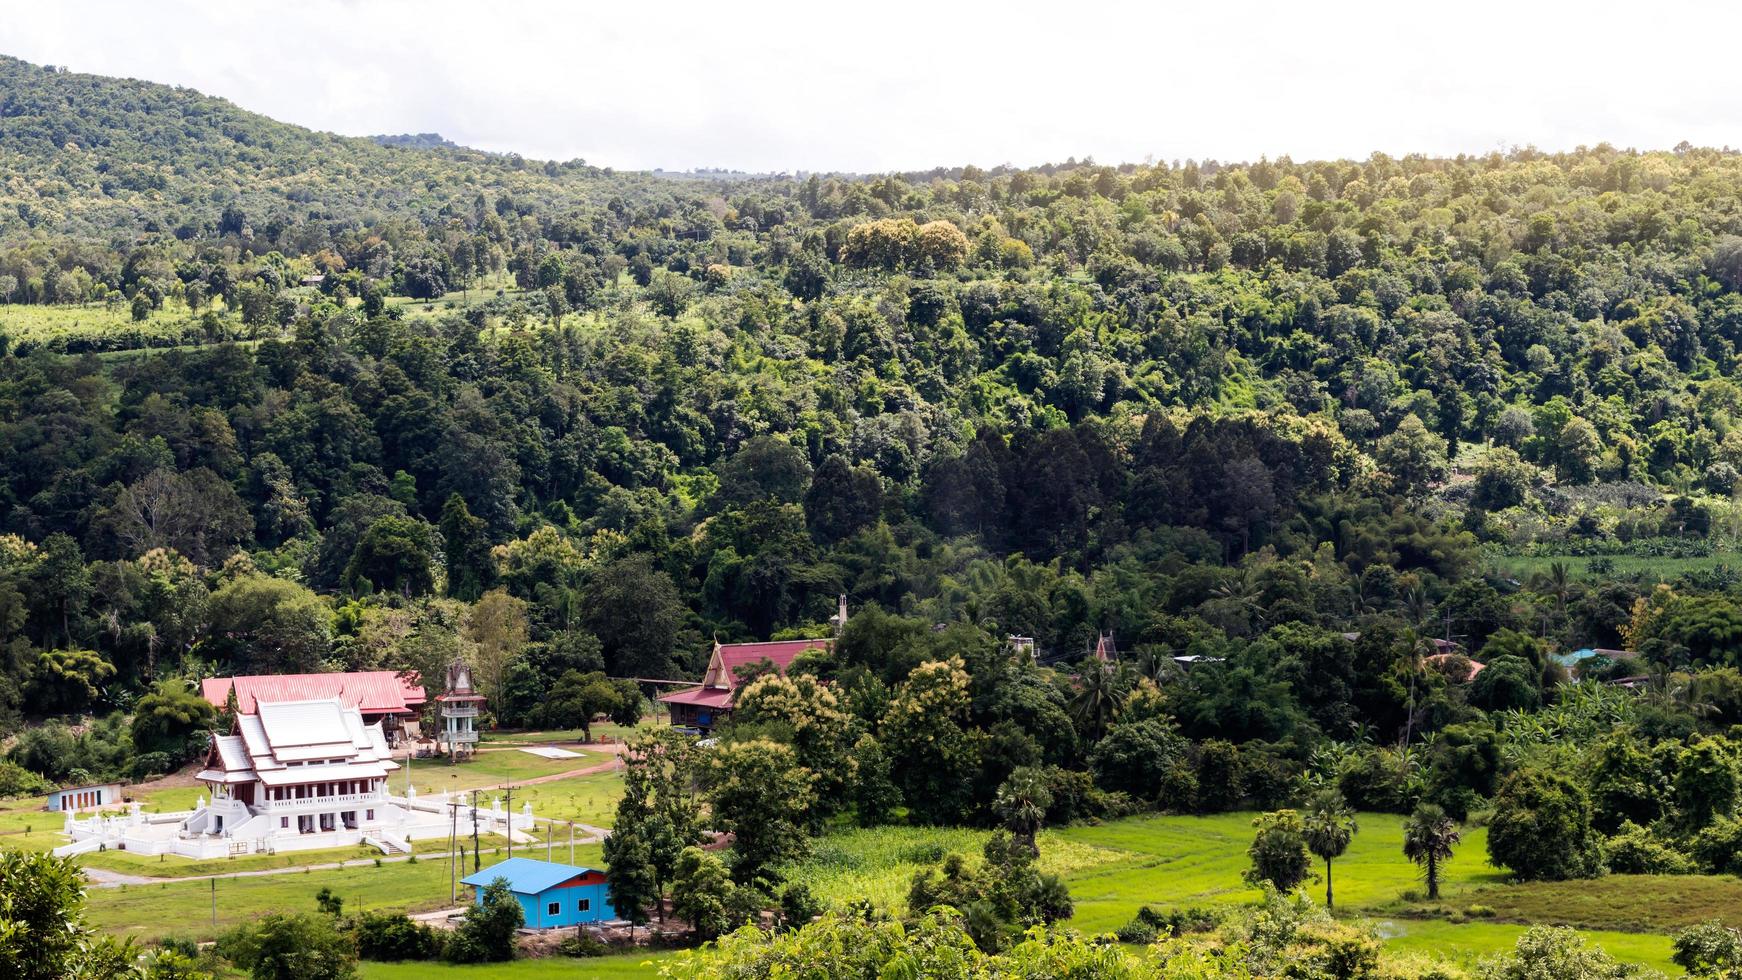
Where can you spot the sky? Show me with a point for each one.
(900, 85)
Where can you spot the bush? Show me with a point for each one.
(291, 947)
(1176, 922)
(1137, 932)
(150, 765)
(583, 944)
(1710, 949)
(487, 933)
(1635, 850)
(1718, 848)
(1279, 852)
(17, 781)
(1541, 829)
(394, 937)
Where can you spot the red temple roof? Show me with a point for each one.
(781, 652)
(372, 692)
(721, 681)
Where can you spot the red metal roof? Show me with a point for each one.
(701, 697)
(373, 692)
(721, 680)
(781, 652)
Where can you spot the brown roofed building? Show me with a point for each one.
(709, 704)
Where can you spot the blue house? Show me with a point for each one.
(550, 894)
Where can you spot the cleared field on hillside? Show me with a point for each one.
(102, 327)
(1652, 568)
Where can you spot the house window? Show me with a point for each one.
(584, 905)
(284, 822)
(368, 814)
(553, 908)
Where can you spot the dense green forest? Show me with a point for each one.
(1275, 426)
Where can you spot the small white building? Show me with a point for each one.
(295, 775)
(74, 798)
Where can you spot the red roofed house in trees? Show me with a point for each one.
(710, 703)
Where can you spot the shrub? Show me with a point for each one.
(16, 781)
(150, 765)
(291, 947)
(1635, 850)
(1279, 851)
(1556, 952)
(1718, 848)
(394, 937)
(1137, 932)
(583, 944)
(1710, 949)
(486, 935)
(1541, 828)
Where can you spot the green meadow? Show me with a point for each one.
(1112, 869)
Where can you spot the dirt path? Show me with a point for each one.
(615, 762)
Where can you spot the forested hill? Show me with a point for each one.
(92, 156)
(428, 401)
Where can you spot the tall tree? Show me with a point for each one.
(1429, 836)
(1329, 827)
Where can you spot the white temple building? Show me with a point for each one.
(295, 775)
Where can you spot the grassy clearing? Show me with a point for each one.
(1112, 870)
(185, 908)
(1180, 861)
(1649, 568)
(1467, 943)
(568, 738)
(1632, 903)
(879, 864)
(102, 327)
(171, 866)
(485, 771)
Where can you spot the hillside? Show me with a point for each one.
(1362, 476)
(94, 157)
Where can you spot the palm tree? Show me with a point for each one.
(1428, 838)
(1022, 803)
(1100, 692)
(1329, 826)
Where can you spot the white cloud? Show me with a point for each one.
(909, 85)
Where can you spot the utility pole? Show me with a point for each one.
(508, 824)
(476, 858)
(453, 858)
(571, 842)
(214, 902)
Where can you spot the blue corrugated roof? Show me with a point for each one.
(526, 875)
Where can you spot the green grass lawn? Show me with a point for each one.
(568, 738)
(171, 866)
(1182, 861)
(1467, 943)
(485, 771)
(184, 908)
